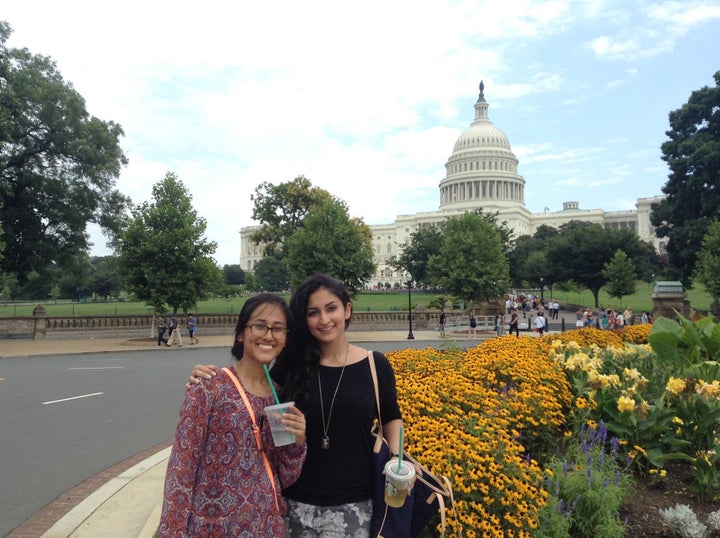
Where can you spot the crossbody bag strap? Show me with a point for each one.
(373, 374)
(256, 432)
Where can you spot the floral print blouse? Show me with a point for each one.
(216, 482)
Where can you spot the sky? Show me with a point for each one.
(366, 99)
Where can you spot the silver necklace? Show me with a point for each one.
(325, 443)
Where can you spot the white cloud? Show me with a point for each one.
(364, 99)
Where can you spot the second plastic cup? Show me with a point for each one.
(398, 482)
(280, 435)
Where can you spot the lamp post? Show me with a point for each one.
(410, 335)
(542, 287)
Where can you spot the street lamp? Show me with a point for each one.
(410, 335)
(542, 297)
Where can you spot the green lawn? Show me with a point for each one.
(380, 301)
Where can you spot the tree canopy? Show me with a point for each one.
(471, 263)
(280, 210)
(331, 242)
(58, 166)
(692, 191)
(164, 252)
(621, 275)
(424, 243)
(581, 249)
(708, 267)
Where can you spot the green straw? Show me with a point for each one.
(400, 451)
(272, 387)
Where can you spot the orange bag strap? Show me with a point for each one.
(256, 432)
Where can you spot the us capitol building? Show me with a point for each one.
(481, 173)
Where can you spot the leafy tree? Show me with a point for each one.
(331, 242)
(528, 259)
(106, 279)
(471, 263)
(233, 274)
(271, 274)
(423, 244)
(280, 210)
(163, 251)
(621, 275)
(707, 271)
(581, 249)
(58, 165)
(693, 196)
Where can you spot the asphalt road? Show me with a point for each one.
(66, 418)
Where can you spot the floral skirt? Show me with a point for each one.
(347, 520)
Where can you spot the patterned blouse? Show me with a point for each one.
(216, 482)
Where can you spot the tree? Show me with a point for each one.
(528, 259)
(280, 210)
(106, 279)
(58, 165)
(424, 243)
(621, 275)
(707, 271)
(581, 250)
(329, 241)
(163, 251)
(271, 274)
(693, 186)
(471, 263)
(233, 275)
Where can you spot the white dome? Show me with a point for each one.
(482, 169)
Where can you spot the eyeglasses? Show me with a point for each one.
(259, 329)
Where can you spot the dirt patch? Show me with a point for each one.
(640, 511)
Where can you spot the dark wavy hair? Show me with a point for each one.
(298, 367)
(247, 310)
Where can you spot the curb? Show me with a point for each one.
(71, 521)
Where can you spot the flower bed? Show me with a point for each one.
(538, 434)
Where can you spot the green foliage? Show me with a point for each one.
(233, 275)
(271, 274)
(471, 263)
(587, 488)
(424, 243)
(581, 250)
(707, 270)
(621, 275)
(692, 199)
(333, 243)
(164, 253)
(281, 209)
(58, 166)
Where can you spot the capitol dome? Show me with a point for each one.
(482, 170)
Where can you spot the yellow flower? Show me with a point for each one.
(581, 403)
(675, 386)
(678, 420)
(625, 404)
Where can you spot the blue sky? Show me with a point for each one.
(367, 99)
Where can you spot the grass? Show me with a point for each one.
(375, 301)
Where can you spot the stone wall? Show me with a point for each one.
(41, 326)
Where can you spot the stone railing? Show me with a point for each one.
(41, 326)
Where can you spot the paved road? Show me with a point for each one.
(65, 418)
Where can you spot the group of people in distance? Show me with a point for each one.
(174, 333)
(226, 478)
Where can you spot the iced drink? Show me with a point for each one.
(280, 435)
(398, 482)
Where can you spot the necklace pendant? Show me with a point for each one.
(325, 442)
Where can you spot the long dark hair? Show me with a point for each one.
(247, 310)
(296, 369)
